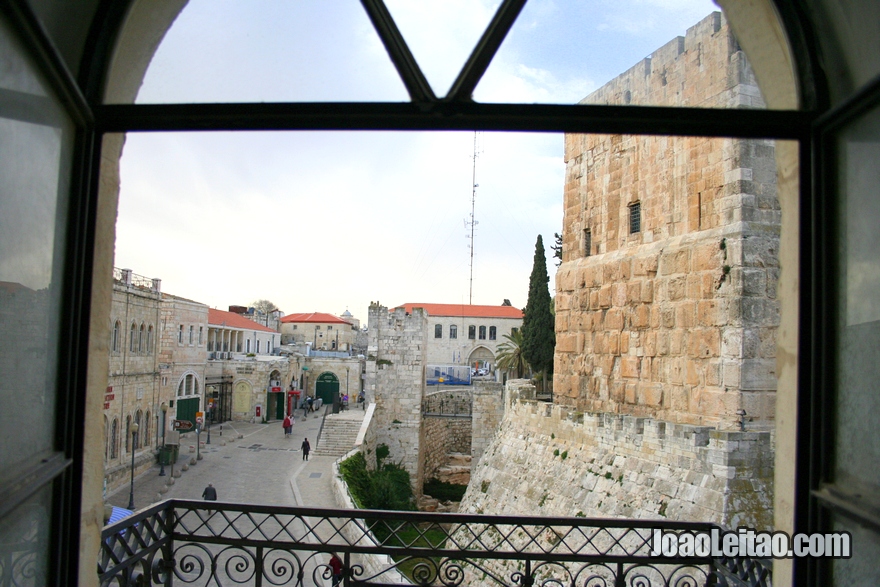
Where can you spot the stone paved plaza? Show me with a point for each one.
(262, 467)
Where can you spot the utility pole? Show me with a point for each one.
(472, 224)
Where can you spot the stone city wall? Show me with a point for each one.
(675, 320)
(547, 460)
(488, 410)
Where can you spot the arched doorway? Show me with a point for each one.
(275, 400)
(327, 387)
(481, 358)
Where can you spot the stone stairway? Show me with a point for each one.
(338, 435)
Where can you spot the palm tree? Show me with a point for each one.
(510, 356)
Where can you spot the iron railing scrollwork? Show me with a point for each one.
(179, 542)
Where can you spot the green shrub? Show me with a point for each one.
(382, 452)
(387, 488)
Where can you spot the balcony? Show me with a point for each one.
(182, 542)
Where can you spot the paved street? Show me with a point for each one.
(262, 467)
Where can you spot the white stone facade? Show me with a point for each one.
(462, 334)
(183, 354)
(134, 393)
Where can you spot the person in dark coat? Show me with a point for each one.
(306, 447)
(209, 494)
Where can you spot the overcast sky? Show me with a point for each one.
(334, 220)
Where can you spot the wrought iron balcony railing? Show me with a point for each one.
(179, 542)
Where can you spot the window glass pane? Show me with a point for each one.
(24, 536)
(857, 446)
(266, 51)
(861, 569)
(219, 175)
(34, 170)
(442, 35)
(626, 52)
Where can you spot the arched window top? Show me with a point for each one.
(213, 54)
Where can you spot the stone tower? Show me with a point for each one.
(666, 317)
(666, 297)
(396, 378)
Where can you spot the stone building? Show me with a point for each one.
(183, 355)
(324, 331)
(465, 334)
(134, 392)
(243, 370)
(666, 297)
(230, 334)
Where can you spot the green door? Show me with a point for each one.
(279, 405)
(187, 408)
(326, 387)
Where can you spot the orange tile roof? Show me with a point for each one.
(313, 318)
(233, 320)
(467, 310)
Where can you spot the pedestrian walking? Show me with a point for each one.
(311, 402)
(306, 447)
(209, 494)
(305, 407)
(288, 428)
(336, 569)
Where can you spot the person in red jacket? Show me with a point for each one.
(336, 569)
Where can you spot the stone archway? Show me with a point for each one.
(481, 357)
(327, 387)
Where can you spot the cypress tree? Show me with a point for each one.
(539, 331)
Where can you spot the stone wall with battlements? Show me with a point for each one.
(673, 314)
(550, 461)
(395, 380)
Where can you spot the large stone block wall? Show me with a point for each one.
(678, 320)
(444, 436)
(488, 410)
(396, 379)
(547, 460)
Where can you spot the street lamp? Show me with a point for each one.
(134, 429)
(164, 408)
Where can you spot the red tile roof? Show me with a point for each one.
(233, 320)
(467, 310)
(313, 318)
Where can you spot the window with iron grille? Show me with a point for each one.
(493, 333)
(453, 331)
(438, 331)
(588, 242)
(482, 333)
(472, 332)
(635, 217)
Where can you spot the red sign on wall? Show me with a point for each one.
(276, 389)
(106, 406)
(109, 397)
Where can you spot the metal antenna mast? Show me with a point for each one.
(473, 222)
